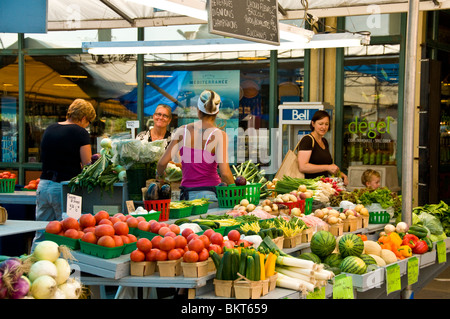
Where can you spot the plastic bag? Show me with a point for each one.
(130, 151)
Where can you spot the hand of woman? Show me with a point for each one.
(333, 169)
(344, 178)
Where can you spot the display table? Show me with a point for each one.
(19, 197)
(12, 227)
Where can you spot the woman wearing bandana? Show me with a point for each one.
(203, 149)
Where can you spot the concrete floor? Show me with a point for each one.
(438, 288)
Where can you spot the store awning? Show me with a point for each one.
(105, 14)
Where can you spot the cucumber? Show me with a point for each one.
(215, 258)
(181, 221)
(205, 227)
(234, 264)
(227, 261)
(250, 232)
(250, 269)
(261, 234)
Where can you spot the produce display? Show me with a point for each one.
(249, 172)
(7, 175)
(32, 184)
(46, 274)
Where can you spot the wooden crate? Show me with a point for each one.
(115, 268)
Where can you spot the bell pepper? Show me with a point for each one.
(429, 243)
(421, 247)
(395, 239)
(410, 240)
(363, 237)
(385, 242)
(404, 251)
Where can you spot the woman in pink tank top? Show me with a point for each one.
(204, 151)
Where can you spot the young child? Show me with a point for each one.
(371, 179)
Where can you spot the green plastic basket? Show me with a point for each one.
(306, 206)
(175, 213)
(100, 251)
(381, 217)
(71, 243)
(220, 230)
(129, 248)
(144, 234)
(200, 209)
(7, 185)
(149, 216)
(230, 196)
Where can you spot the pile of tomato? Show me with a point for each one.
(7, 175)
(33, 184)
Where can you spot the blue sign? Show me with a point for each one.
(298, 114)
(23, 16)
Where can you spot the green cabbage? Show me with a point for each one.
(173, 173)
(130, 151)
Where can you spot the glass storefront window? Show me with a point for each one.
(9, 108)
(377, 24)
(370, 110)
(53, 82)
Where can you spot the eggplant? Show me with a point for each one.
(223, 184)
(165, 192)
(152, 192)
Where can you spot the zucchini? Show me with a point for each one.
(261, 234)
(257, 275)
(227, 262)
(250, 269)
(243, 262)
(234, 264)
(215, 258)
(181, 221)
(205, 227)
(419, 231)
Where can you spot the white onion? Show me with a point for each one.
(41, 268)
(59, 294)
(63, 270)
(44, 287)
(47, 250)
(71, 289)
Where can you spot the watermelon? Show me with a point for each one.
(353, 265)
(322, 243)
(350, 245)
(333, 260)
(310, 256)
(369, 260)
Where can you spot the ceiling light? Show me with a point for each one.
(328, 40)
(74, 76)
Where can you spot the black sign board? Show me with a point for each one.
(254, 20)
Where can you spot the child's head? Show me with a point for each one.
(371, 179)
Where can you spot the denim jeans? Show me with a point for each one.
(48, 204)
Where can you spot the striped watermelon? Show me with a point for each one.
(333, 260)
(353, 265)
(310, 256)
(369, 260)
(350, 245)
(322, 243)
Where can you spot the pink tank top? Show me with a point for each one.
(199, 166)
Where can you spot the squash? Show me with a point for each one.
(380, 261)
(372, 248)
(388, 256)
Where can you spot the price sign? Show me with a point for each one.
(130, 206)
(413, 270)
(441, 251)
(73, 208)
(316, 294)
(343, 287)
(132, 124)
(393, 282)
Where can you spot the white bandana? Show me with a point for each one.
(201, 105)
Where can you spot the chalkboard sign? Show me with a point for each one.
(254, 20)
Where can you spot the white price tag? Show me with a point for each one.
(73, 208)
(132, 124)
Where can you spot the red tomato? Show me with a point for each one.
(118, 240)
(190, 256)
(121, 228)
(205, 240)
(143, 225)
(101, 215)
(114, 220)
(151, 255)
(203, 255)
(154, 227)
(167, 243)
(181, 250)
(216, 248)
(163, 230)
(191, 236)
(105, 221)
(228, 244)
(70, 223)
(209, 232)
(126, 239)
(180, 241)
(132, 238)
(89, 229)
(161, 255)
(53, 227)
(216, 238)
(104, 230)
(71, 233)
(132, 222)
(186, 232)
(175, 228)
(137, 256)
(144, 244)
(106, 241)
(89, 238)
(87, 220)
(196, 245)
(174, 254)
(155, 241)
(234, 235)
(121, 216)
